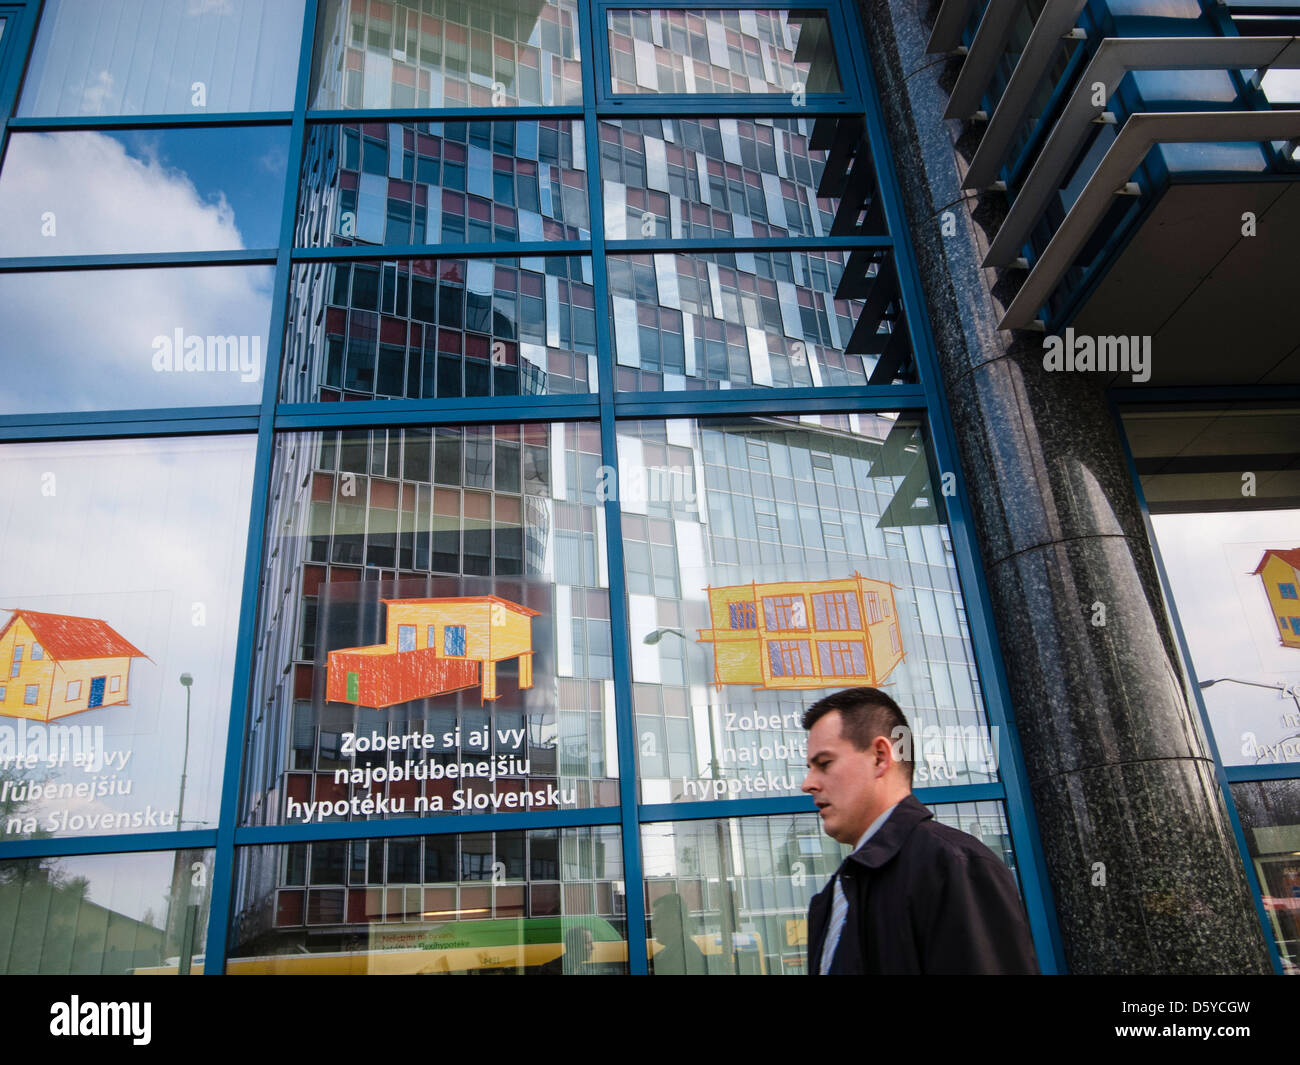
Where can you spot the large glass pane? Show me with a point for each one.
(756, 320)
(1270, 819)
(770, 561)
(105, 914)
(134, 339)
(420, 328)
(443, 183)
(446, 53)
(100, 192)
(721, 51)
(705, 178)
(435, 627)
(546, 902)
(152, 57)
(731, 896)
(1223, 489)
(121, 595)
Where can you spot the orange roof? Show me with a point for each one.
(67, 638)
(465, 599)
(1291, 558)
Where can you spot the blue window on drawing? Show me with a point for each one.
(774, 657)
(453, 640)
(743, 616)
(1287, 591)
(1295, 626)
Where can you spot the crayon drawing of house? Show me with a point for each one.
(1279, 570)
(435, 646)
(58, 664)
(804, 634)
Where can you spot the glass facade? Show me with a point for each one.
(445, 448)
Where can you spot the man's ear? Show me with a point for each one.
(881, 753)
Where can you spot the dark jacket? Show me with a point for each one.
(924, 898)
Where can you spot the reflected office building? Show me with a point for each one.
(509, 417)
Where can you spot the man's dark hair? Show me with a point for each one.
(866, 713)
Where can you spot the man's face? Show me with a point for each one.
(847, 784)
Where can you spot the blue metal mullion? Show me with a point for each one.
(709, 809)
(23, 29)
(139, 260)
(770, 401)
(54, 123)
(1249, 774)
(442, 114)
(265, 835)
(776, 105)
(223, 878)
(478, 410)
(688, 246)
(29, 430)
(1021, 819)
(129, 843)
(624, 710)
(368, 252)
(1166, 590)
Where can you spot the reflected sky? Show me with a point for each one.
(86, 192)
(148, 536)
(1228, 622)
(89, 340)
(144, 57)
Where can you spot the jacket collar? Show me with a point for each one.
(891, 836)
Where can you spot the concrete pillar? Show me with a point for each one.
(1122, 782)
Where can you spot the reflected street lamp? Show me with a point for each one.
(724, 844)
(1283, 688)
(187, 682)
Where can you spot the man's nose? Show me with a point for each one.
(805, 786)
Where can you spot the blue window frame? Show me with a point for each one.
(743, 616)
(17, 664)
(30, 694)
(38, 652)
(268, 415)
(405, 638)
(1287, 591)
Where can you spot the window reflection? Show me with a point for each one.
(416, 329)
(1224, 497)
(437, 634)
(756, 320)
(103, 192)
(446, 53)
(150, 57)
(444, 182)
(728, 177)
(547, 902)
(122, 583)
(767, 560)
(109, 914)
(731, 896)
(134, 339)
(1270, 819)
(721, 51)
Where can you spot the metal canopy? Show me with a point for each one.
(1139, 134)
(1053, 24)
(1116, 57)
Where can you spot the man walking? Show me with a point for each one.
(915, 896)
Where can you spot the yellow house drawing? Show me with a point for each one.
(435, 646)
(57, 664)
(804, 634)
(1280, 572)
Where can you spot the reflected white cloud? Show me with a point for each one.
(83, 193)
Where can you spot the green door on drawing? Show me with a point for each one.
(354, 691)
